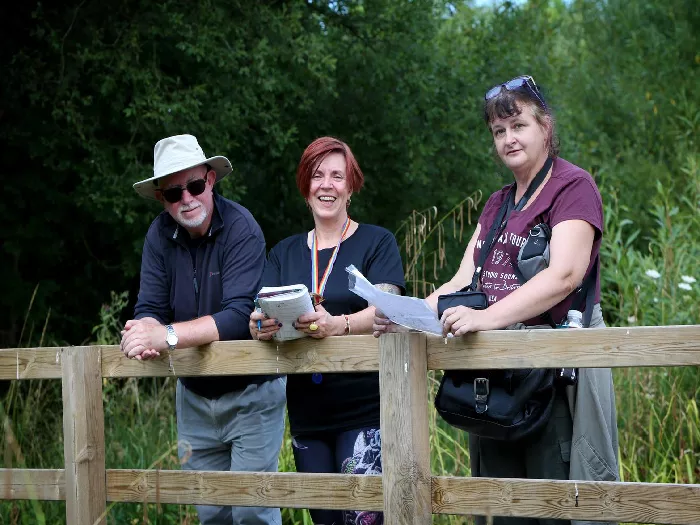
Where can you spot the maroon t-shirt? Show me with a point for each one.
(570, 193)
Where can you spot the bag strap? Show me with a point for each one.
(586, 294)
(501, 220)
(498, 224)
(532, 187)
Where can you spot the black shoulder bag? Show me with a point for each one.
(505, 405)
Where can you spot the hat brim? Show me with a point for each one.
(147, 188)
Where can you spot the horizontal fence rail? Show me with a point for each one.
(252, 489)
(597, 501)
(406, 491)
(601, 347)
(589, 348)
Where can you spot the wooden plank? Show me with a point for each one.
(404, 422)
(609, 347)
(598, 501)
(616, 502)
(333, 354)
(603, 347)
(30, 363)
(83, 436)
(36, 484)
(249, 489)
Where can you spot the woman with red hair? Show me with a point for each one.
(334, 418)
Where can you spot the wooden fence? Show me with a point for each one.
(406, 492)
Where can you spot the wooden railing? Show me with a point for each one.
(407, 492)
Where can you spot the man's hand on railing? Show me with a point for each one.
(143, 339)
(383, 325)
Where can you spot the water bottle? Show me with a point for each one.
(574, 319)
(569, 376)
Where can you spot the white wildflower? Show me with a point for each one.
(631, 319)
(685, 286)
(653, 274)
(656, 299)
(688, 279)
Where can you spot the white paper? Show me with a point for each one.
(410, 312)
(286, 306)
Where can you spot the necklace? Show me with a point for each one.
(318, 285)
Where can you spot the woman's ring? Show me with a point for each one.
(313, 327)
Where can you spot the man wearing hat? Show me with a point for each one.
(202, 265)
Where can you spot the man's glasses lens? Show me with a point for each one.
(174, 194)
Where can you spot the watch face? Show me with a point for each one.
(171, 337)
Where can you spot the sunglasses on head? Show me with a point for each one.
(522, 83)
(173, 194)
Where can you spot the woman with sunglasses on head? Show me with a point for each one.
(334, 418)
(548, 195)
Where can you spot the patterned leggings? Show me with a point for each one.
(351, 452)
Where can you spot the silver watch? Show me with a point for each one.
(171, 337)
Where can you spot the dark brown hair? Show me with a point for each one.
(509, 103)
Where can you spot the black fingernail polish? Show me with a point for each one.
(279, 324)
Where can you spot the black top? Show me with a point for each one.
(346, 401)
(217, 274)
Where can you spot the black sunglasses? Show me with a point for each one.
(173, 194)
(522, 83)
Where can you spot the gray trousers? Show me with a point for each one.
(240, 431)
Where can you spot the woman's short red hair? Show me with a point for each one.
(313, 156)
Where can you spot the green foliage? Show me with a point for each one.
(108, 330)
(656, 286)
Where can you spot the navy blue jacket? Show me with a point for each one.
(222, 282)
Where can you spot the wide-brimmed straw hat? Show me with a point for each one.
(178, 153)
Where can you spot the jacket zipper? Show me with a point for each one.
(196, 288)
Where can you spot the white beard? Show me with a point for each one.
(194, 222)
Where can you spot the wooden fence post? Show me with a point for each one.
(83, 436)
(403, 382)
